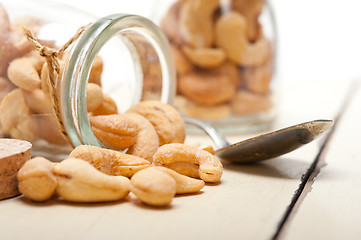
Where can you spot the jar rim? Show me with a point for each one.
(78, 66)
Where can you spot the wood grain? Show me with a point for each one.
(249, 202)
(331, 209)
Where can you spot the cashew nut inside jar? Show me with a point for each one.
(225, 57)
(98, 66)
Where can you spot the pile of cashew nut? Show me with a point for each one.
(223, 60)
(156, 167)
(25, 107)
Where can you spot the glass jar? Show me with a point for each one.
(122, 58)
(225, 54)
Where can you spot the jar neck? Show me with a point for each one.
(82, 55)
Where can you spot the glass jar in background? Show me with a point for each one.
(224, 52)
(106, 71)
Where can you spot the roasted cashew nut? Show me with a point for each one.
(196, 22)
(4, 21)
(114, 131)
(248, 103)
(195, 110)
(205, 57)
(169, 23)
(107, 107)
(182, 64)
(153, 187)
(94, 96)
(110, 162)
(210, 87)
(209, 167)
(231, 36)
(23, 74)
(251, 10)
(157, 186)
(79, 181)
(16, 119)
(36, 180)
(165, 119)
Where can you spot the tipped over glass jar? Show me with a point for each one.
(116, 62)
(225, 57)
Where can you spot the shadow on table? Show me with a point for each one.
(275, 167)
(58, 201)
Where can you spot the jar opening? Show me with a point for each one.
(129, 29)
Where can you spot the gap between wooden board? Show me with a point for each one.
(309, 177)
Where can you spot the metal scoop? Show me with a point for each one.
(265, 146)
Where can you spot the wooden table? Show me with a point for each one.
(311, 193)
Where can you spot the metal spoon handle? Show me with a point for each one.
(217, 137)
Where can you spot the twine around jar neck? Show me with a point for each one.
(52, 59)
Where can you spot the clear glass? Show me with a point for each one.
(119, 53)
(225, 56)
(83, 54)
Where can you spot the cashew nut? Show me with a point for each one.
(4, 23)
(110, 162)
(184, 184)
(169, 23)
(166, 120)
(232, 71)
(15, 117)
(38, 61)
(36, 180)
(153, 187)
(79, 181)
(251, 10)
(157, 186)
(147, 141)
(210, 168)
(96, 71)
(247, 103)
(182, 64)
(209, 87)
(94, 96)
(129, 130)
(8, 52)
(196, 22)
(205, 57)
(5, 87)
(23, 74)
(107, 107)
(257, 79)
(114, 131)
(195, 110)
(208, 148)
(26, 129)
(232, 38)
(37, 101)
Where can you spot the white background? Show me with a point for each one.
(319, 39)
